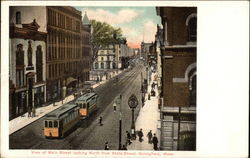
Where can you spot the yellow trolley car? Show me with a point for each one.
(87, 104)
(61, 120)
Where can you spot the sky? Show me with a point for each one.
(137, 23)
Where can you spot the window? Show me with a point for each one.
(193, 91)
(84, 105)
(55, 124)
(45, 124)
(102, 65)
(102, 58)
(50, 124)
(18, 17)
(96, 65)
(191, 24)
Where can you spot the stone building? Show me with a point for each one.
(111, 57)
(67, 45)
(178, 111)
(105, 59)
(27, 66)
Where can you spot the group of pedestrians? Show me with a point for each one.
(151, 138)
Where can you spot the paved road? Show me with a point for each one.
(89, 135)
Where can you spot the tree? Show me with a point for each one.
(103, 35)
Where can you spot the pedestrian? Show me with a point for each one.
(155, 142)
(140, 134)
(124, 147)
(29, 111)
(150, 135)
(128, 138)
(106, 146)
(100, 120)
(114, 106)
(33, 112)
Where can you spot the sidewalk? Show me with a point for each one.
(22, 121)
(148, 119)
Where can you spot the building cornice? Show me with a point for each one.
(25, 33)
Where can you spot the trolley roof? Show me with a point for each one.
(86, 96)
(56, 114)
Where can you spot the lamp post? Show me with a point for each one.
(120, 124)
(133, 102)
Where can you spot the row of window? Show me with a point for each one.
(55, 70)
(51, 124)
(71, 116)
(63, 53)
(63, 21)
(111, 65)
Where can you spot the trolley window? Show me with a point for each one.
(83, 105)
(80, 105)
(50, 124)
(45, 123)
(55, 124)
(88, 105)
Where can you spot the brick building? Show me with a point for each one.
(178, 111)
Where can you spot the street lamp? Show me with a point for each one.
(120, 124)
(133, 102)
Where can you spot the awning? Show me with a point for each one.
(70, 79)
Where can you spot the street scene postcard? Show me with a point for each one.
(94, 80)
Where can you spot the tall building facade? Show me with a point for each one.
(27, 65)
(65, 48)
(178, 111)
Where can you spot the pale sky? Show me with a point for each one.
(137, 23)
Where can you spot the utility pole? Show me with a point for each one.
(120, 125)
(179, 126)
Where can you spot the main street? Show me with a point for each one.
(89, 135)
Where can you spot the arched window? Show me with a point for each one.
(39, 63)
(191, 23)
(96, 65)
(19, 55)
(18, 17)
(102, 65)
(192, 88)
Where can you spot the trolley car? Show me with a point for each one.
(61, 120)
(87, 104)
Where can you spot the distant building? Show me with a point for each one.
(145, 50)
(105, 59)
(178, 111)
(113, 56)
